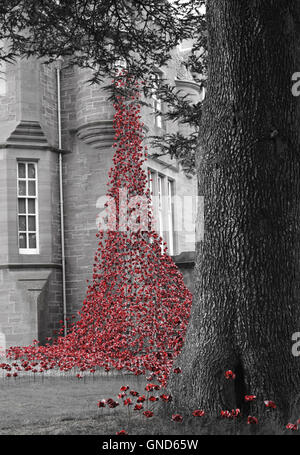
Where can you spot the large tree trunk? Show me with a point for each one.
(247, 302)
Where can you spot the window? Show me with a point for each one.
(157, 103)
(2, 78)
(27, 208)
(170, 216)
(162, 189)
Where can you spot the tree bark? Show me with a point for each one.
(247, 302)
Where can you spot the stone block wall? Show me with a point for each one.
(30, 285)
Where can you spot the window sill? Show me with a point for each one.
(28, 251)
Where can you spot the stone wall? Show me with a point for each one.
(30, 285)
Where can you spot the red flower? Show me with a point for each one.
(112, 403)
(225, 414)
(124, 388)
(133, 393)
(166, 398)
(198, 413)
(250, 397)
(153, 399)
(105, 333)
(270, 404)
(252, 420)
(291, 426)
(230, 414)
(119, 433)
(177, 418)
(149, 387)
(141, 399)
(177, 370)
(101, 404)
(235, 412)
(229, 374)
(148, 413)
(128, 402)
(138, 407)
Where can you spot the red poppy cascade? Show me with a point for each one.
(137, 307)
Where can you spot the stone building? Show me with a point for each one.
(31, 278)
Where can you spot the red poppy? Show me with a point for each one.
(291, 426)
(177, 418)
(153, 399)
(177, 370)
(166, 398)
(270, 404)
(124, 388)
(112, 403)
(252, 420)
(149, 387)
(133, 393)
(141, 399)
(148, 414)
(229, 374)
(198, 413)
(109, 314)
(128, 402)
(235, 412)
(101, 404)
(122, 432)
(138, 407)
(250, 397)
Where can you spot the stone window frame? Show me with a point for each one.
(157, 103)
(3, 81)
(27, 196)
(158, 184)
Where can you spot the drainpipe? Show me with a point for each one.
(61, 194)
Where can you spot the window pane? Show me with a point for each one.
(22, 240)
(22, 188)
(31, 171)
(32, 240)
(22, 205)
(27, 206)
(22, 223)
(31, 223)
(159, 121)
(31, 188)
(31, 206)
(21, 171)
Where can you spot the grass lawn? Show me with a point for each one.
(67, 405)
(62, 405)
